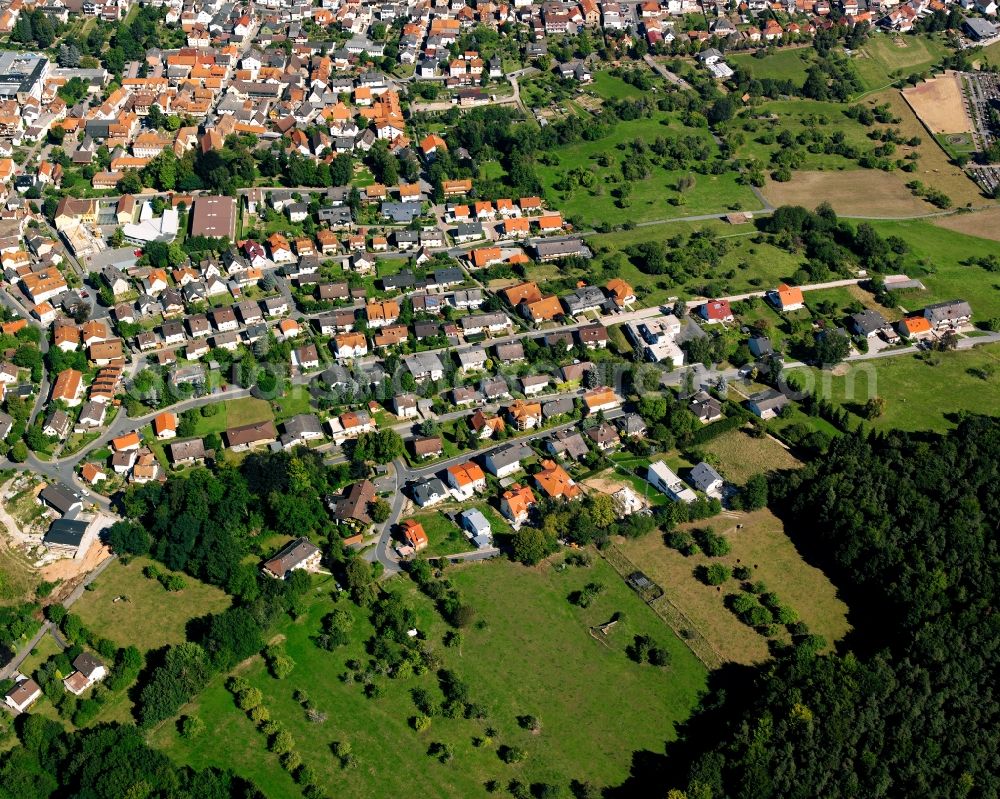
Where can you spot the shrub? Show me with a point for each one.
(192, 727)
(511, 754)
(713, 574)
(420, 723)
(281, 742)
(249, 698)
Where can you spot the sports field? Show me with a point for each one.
(939, 104)
(531, 653)
(885, 58)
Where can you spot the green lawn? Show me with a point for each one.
(533, 655)
(881, 61)
(649, 197)
(935, 258)
(919, 395)
(782, 64)
(614, 88)
(247, 410)
(151, 617)
(443, 536)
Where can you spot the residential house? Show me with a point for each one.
(768, 403)
(251, 436)
(88, 671)
(429, 492)
(554, 482)
(516, 504)
(660, 476)
(707, 480)
(506, 460)
(300, 554)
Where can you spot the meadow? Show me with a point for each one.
(786, 63)
(649, 197)
(920, 395)
(146, 614)
(761, 544)
(531, 652)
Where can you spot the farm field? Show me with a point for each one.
(648, 199)
(936, 259)
(596, 707)
(762, 545)
(786, 63)
(858, 192)
(152, 617)
(979, 224)
(918, 395)
(934, 167)
(739, 457)
(885, 58)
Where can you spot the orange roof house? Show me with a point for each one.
(433, 143)
(914, 326)
(522, 292)
(516, 502)
(455, 188)
(621, 292)
(553, 481)
(550, 222)
(484, 256)
(787, 298)
(544, 309)
(68, 385)
(466, 474)
(413, 533)
(126, 442)
(165, 425)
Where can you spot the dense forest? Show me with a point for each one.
(906, 523)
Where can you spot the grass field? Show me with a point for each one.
(746, 261)
(740, 457)
(762, 545)
(534, 655)
(152, 617)
(17, 578)
(882, 61)
(920, 396)
(784, 64)
(935, 258)
(443, 535)
(614, 88)
(795, 116)
(234, 413)
(648, 199)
